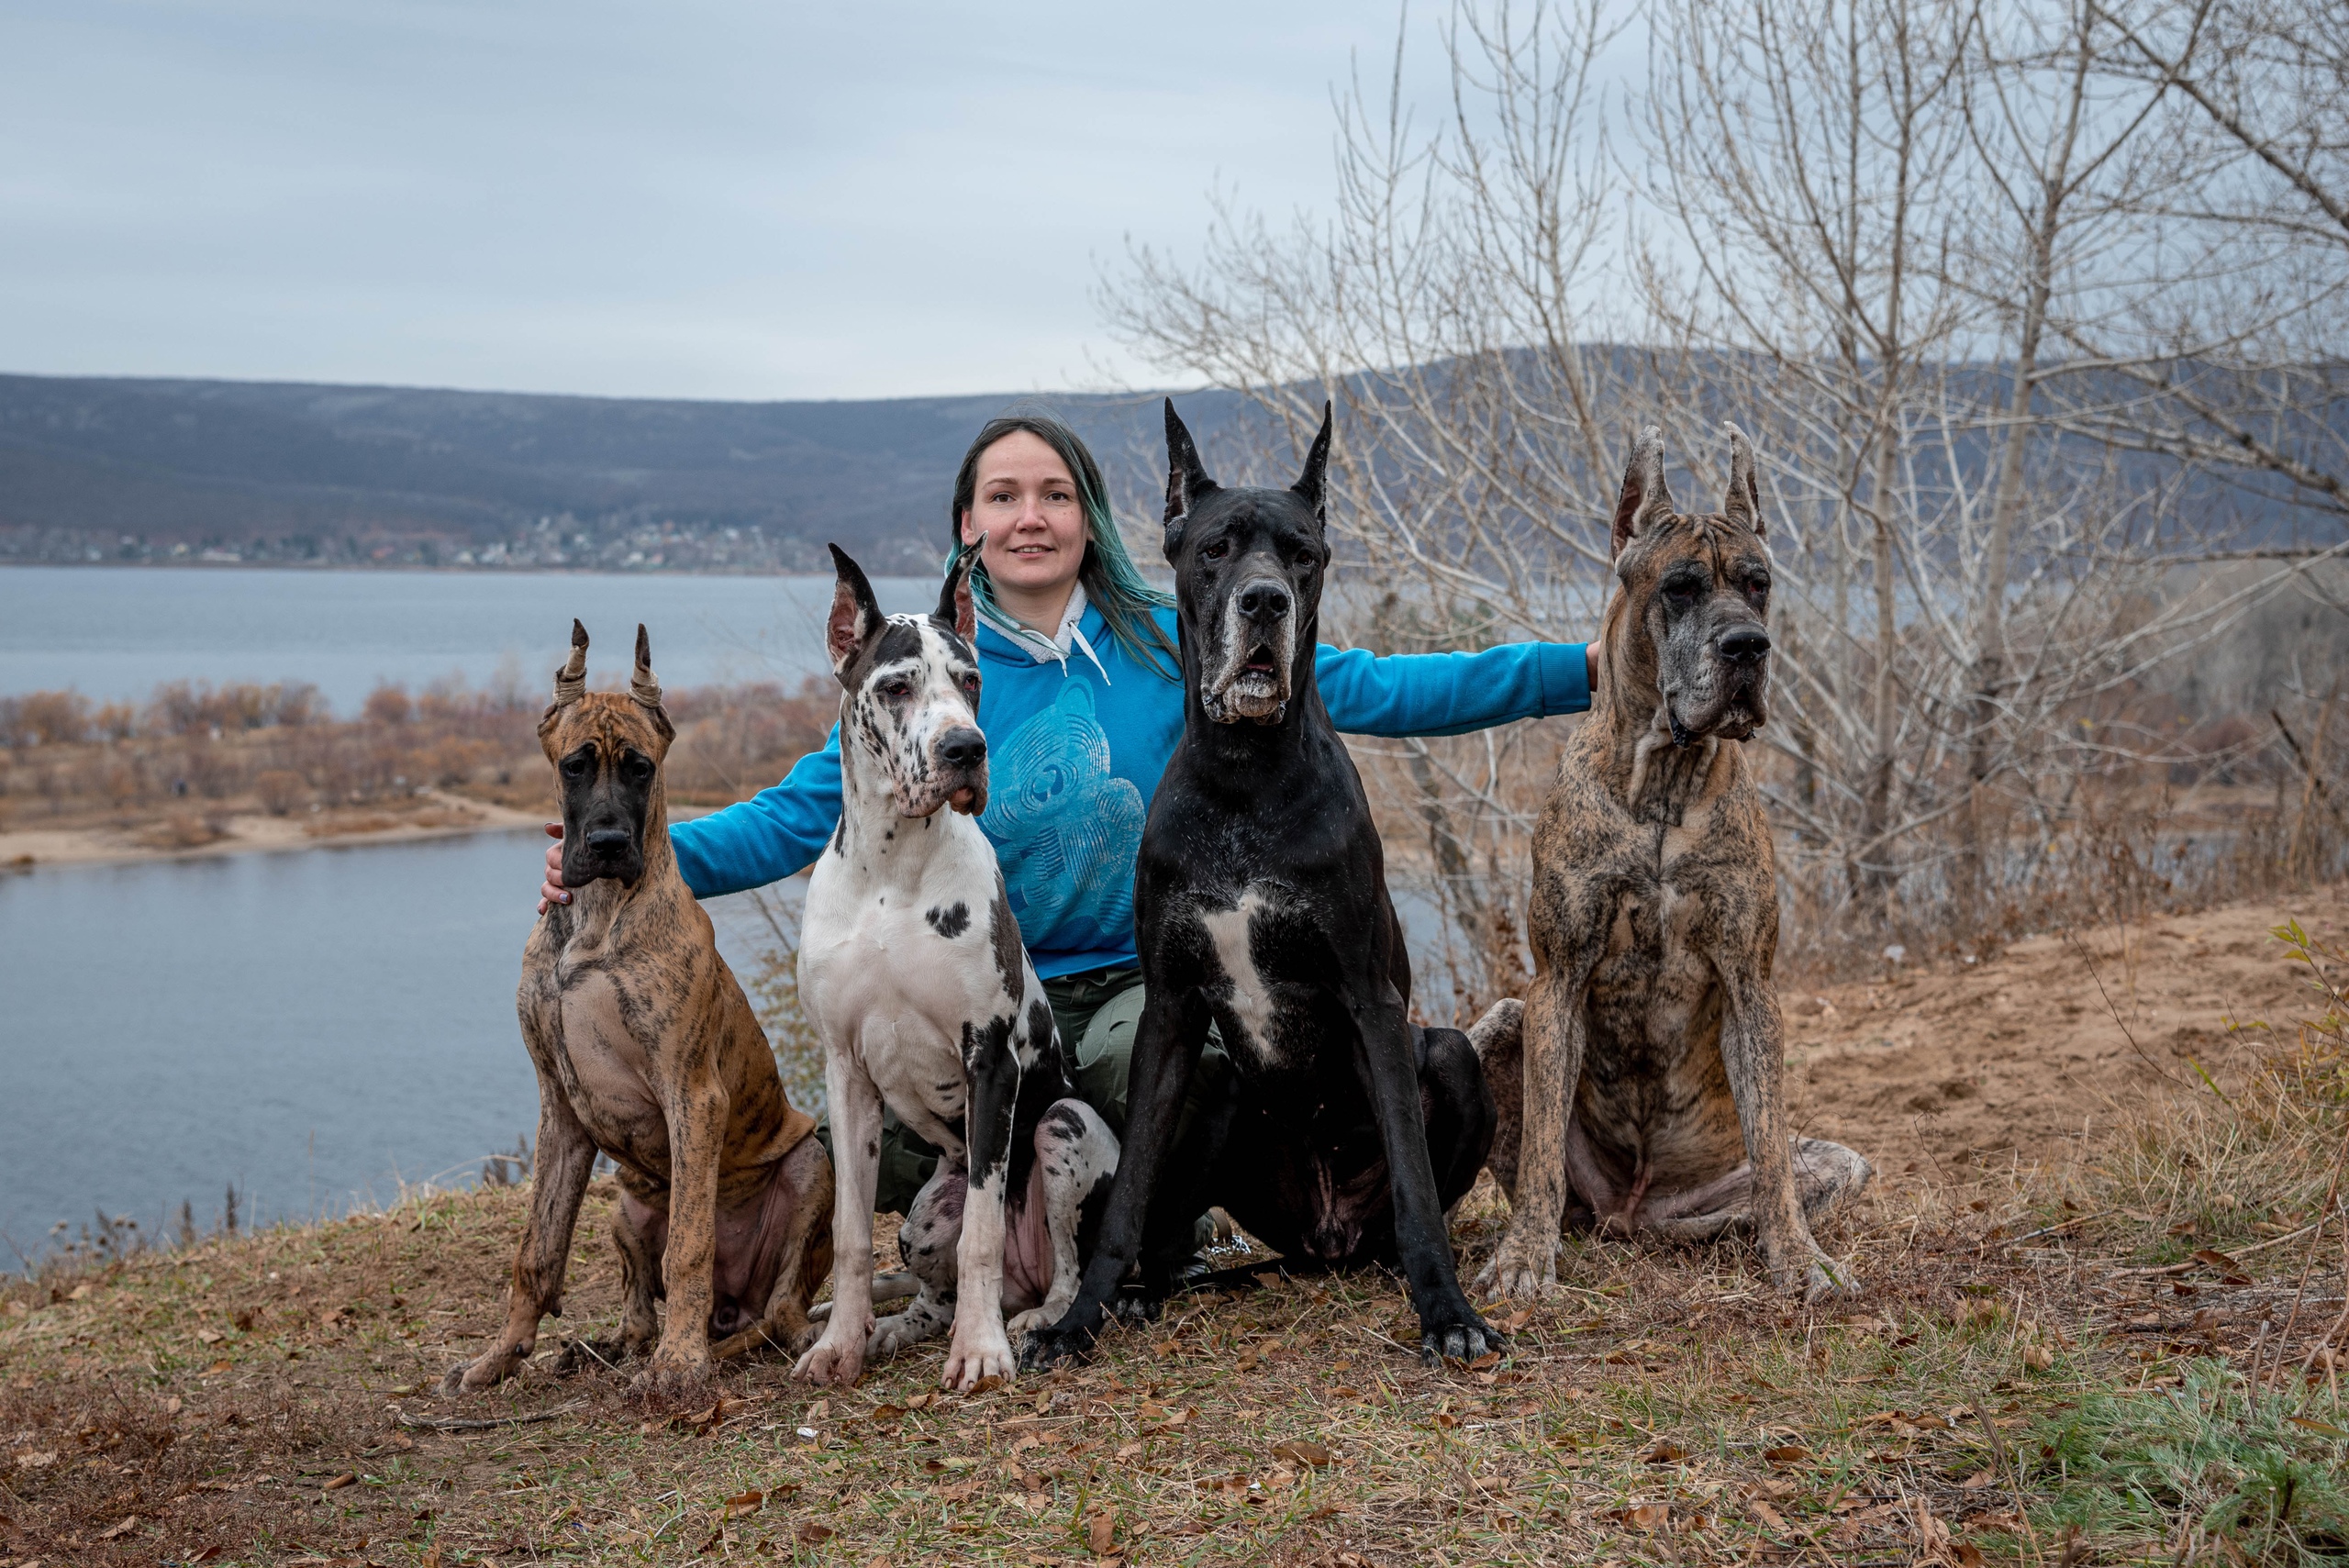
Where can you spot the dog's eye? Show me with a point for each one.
(1307, 559)
(897, 686)
(578, 767)
(1758, 586)
(1215, 551)
(1681, 592)
(970, 685)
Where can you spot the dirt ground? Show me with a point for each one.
(2021, 1057)
(274, 1398)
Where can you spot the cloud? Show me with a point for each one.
(743, 200)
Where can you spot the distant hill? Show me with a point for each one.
(126, 469)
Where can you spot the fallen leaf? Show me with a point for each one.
(216, 1368)
(39, 1459)
(1664, 1452)
(209, 1336)
(1446, 1419)
(339, 1481)
(810, 1533)
(1648, 1517)
(887, 1412)
(173, 1406)
(1125, 1451)
(1787, 1453)
(922, 1401)
(1100, 1531)
(78, 1293)
(2313, 1424)
(748, 1502)
(2217, 1260)
(117, 1532)
(1976, 1481)
(1489, 1359)
(1968, 1555)
(1770, 1517)
(1301, 1450)
(986, 1384)
(1515, 1320)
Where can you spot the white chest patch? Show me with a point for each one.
(1231, 932)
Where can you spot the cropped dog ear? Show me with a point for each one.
(570, 681)
(1186, 483)
(645, 689)
(1317, 465)
(955, 607)
(855, 618)
(1644, 490)
(1743, 504)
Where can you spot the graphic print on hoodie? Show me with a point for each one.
(1066, 830)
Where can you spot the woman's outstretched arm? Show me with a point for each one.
(1451, 694)
(776, 833)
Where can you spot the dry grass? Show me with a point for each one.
(2013, 1375)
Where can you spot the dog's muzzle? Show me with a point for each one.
(1255, 684)
(605, 851)
(961, 759)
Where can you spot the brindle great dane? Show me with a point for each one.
(1644, 1071)
(647, 1050)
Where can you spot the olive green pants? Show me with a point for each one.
(1097, 1013)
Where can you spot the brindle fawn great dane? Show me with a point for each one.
(1642, 1077)
(647, 1050)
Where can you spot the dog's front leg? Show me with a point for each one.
(1449, 1325)
(696, 1114)
(564, 1157)
(1754, 1054)
(838, 1357)
(1174, 1030)
(1527, 1261)
(980, 1347)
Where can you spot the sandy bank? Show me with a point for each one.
(443, 816)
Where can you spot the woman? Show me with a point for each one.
(1082, 703)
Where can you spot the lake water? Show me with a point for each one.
(315, 1026)
(115, 632)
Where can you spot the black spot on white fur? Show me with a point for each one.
(952, 921)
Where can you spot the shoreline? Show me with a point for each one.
(29, 849)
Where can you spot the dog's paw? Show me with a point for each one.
(1825, 1277)
(485, 1371)
(1066, 1343)
(673, 1379)
(837, 1362)
(899, 1331)
(1519, 1272)
(1021, 1322)
(984, 1355)
(1455, 1332)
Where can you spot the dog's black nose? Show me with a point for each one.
(1263, 601)
(962, 747)
(609, 841)
(1746, 645)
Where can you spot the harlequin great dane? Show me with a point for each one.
(1643, 1074)
(647, 1050)
(1261, 904)
(911, 967)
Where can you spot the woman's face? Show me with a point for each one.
(1026, 503)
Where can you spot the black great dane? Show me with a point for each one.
(1261, 905)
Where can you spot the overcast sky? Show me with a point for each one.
(743, 200)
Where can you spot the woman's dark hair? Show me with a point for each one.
(1113, 583)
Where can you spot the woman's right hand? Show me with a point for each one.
(552, 891)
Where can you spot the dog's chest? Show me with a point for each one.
(896, 976)
(1260, 961)
(1654, 977)
(607, 1075)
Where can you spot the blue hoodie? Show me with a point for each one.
(1076, 747)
